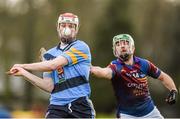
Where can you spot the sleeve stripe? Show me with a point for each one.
(79, 53)
(73, 57)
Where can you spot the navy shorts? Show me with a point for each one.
(80, 108)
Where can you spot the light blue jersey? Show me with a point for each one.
(71, 81)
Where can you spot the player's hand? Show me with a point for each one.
(171, 98)
(13, 69)
(16, 71)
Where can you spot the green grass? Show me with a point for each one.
(105, 115)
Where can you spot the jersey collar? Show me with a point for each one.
(67, 47)
(135, 60)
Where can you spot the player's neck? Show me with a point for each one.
(130, 61)
(63, 45)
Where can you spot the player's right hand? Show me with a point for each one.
(171, 98)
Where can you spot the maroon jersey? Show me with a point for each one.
(131, 87)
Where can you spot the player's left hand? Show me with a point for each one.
(171, 98)
(17, 71)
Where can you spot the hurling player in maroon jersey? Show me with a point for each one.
(128, 74)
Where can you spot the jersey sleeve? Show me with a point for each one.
(153, 70)
(79, 52)
(113, 68)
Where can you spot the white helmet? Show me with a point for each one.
(66, 34)
(126, 37)
(68, 18)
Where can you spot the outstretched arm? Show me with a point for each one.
(167, 81)
(43, 66)
(101, 72)
(44, 84)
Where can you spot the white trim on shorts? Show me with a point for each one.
(153, 114)
(93, 112)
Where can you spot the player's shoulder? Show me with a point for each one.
(52, 50)
(143, 63)
(115, 65)
(114, 61)
(50, 53)
(140, 59)
(80, 43)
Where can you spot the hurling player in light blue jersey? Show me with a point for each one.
(66, 73)
(128, 74)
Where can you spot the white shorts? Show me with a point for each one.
(153, 114)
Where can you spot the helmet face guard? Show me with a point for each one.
(130, 49)
(67, 34)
